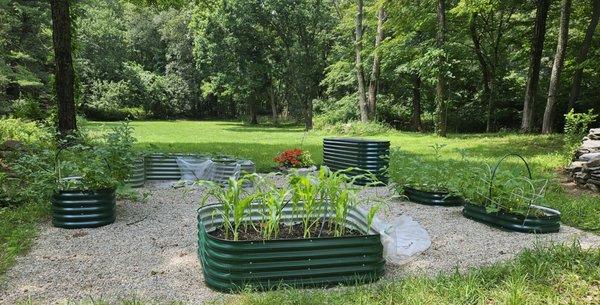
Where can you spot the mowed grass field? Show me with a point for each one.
(262, 143)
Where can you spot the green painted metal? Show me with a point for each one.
(365, 156)
(531, 224)
(225, 168)
(309, 262)
(83, 209)
(164, 166)
(138, 174)
(432, 198)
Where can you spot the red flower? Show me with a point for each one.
(289, 158)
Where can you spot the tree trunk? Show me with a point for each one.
(253, 112)
(272, 101)
(416, 103)
(486, 74)
(440, 99)
(559, 59)
(373, 83)
(585, 48)
(360, 74)
(64, 78)
(533, 75)
(308, 117)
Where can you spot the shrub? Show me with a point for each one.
(354, 128)
(294, 158)
(576, 127)
(27, 108)
(107, 99)
(23, 131)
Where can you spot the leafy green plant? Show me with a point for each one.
(432, 175)
(234, 200)
(508, 191)
(95, 164)
(315, 199)
(576, 127)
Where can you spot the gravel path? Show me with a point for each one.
(149, 253)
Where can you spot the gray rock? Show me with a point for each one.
(590, 156)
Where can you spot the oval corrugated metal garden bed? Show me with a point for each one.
(231, 266)
(83, 209)
(138, 174)
(363, 155)
(432, 198)
(531, 224)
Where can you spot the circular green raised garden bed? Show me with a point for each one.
(305, 262)
(138, 174)
(83, 209)
(548, 223)
(432, 198)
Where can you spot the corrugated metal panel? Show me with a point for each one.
(233, 265)
(223, 169)
(164, 166)
(77, 209)
(138, 174)
(364, 155)
(531, 224)
(432, 198)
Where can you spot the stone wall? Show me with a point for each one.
(585, 168)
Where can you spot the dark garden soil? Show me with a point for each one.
(296, 231)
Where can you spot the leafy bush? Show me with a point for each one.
(294, 158)
(511, 191)
(432, 176)
(576, 127)
(108, 101)
(23, 131)
(102, 164)
(354, 128)
(27, 108)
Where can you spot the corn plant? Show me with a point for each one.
(306, 191)
(234, 200)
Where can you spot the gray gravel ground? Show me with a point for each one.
(149, 253)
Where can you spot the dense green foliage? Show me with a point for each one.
(289, 59)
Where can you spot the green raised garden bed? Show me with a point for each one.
(432, 198)
(231, 266)
(138, 174)
(362, 155)
(548, 223)
(83, 209)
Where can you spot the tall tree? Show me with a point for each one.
(559, 59)
(533, 75)
(583, 51)
(360, 73)
(440, 88)
(373, 82)
(64, 76)
(416, 103)
(488, 23)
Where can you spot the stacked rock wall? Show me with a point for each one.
(585, 168)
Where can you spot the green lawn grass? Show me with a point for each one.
(17, 230)
(261, 143)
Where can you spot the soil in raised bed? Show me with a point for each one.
(295, 231)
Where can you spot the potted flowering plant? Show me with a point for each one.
(294, 158)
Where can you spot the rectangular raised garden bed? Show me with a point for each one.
(365, 156)
(231, 266)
